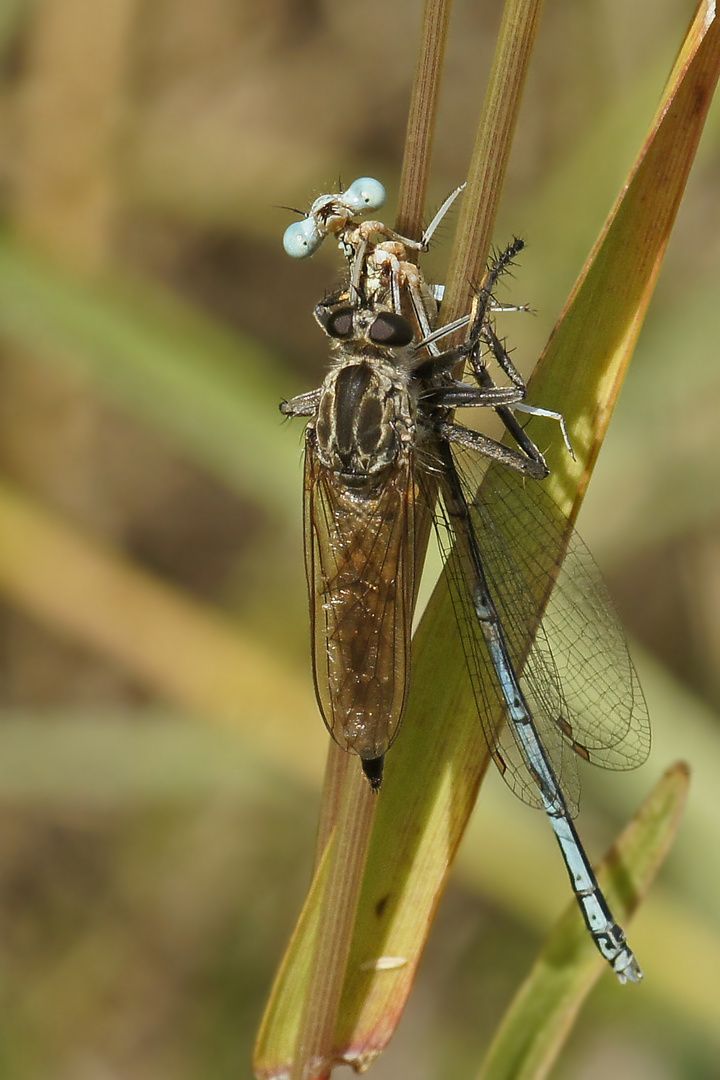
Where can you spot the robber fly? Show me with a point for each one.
(381, 442)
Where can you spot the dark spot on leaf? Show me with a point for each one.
(381, 905)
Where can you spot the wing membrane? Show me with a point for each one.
(577, 675)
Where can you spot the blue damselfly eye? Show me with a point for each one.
(364, 194)
(302, 239)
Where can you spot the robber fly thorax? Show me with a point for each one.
(367, 408)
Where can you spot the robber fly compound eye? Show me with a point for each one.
(390, 329)
(340, 324)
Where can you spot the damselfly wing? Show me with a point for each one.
(559, 627)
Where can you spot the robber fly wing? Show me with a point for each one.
(360, 569)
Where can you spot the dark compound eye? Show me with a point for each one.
(340, 323)
(390, 329)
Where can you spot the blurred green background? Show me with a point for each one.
(160, 750)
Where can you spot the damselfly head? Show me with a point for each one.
(332, 214)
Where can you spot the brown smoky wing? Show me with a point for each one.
(359, 551)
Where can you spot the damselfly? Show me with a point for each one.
(382, 442)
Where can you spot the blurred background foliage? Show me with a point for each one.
(160, 750)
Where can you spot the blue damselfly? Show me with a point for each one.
(382, 442)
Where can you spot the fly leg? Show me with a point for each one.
(302, 405)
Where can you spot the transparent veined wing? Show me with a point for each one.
(574, 667)
(359, 546)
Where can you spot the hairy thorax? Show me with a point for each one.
(365, 420)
